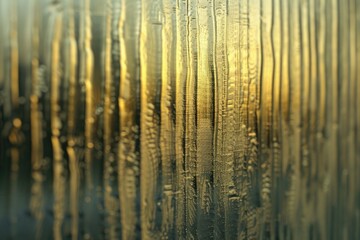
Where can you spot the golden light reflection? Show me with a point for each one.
(173, 119)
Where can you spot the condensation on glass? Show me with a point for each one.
(180, 119)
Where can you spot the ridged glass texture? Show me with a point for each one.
(180, 119)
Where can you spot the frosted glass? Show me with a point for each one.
(180, 119)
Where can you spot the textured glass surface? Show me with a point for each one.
(180, 119)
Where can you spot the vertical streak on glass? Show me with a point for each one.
(14, 77)
(294, 154)
(74, 188)
(70, 76)
(352, 122)
(357, 117)
(252, 116)
(231, 120)
(343, 114)
(328, 152)
(114, 110)
(4, 102)
(115, 71)
(315, 101)
(86, 80)
(295, 117)
(108, 89)
(86, 73)
(14, 186)
(266, 85)
(58, 168)
(25, 58)
(167, 131)
(204, 121)
(220, 87)
(191, 129)
(14, 87)
(5, 31)
(151, 172)
(275, 139)
(317, 110)
(316, 115)
(320, 155)
(332, 88)
(247, 213)
(70, 65)
(243, 121)
(181, 74)
(353, 187)
(305, 202)
(285, 113)
(129, 154)
(110, 201)
(319, 29)
(36, 201)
